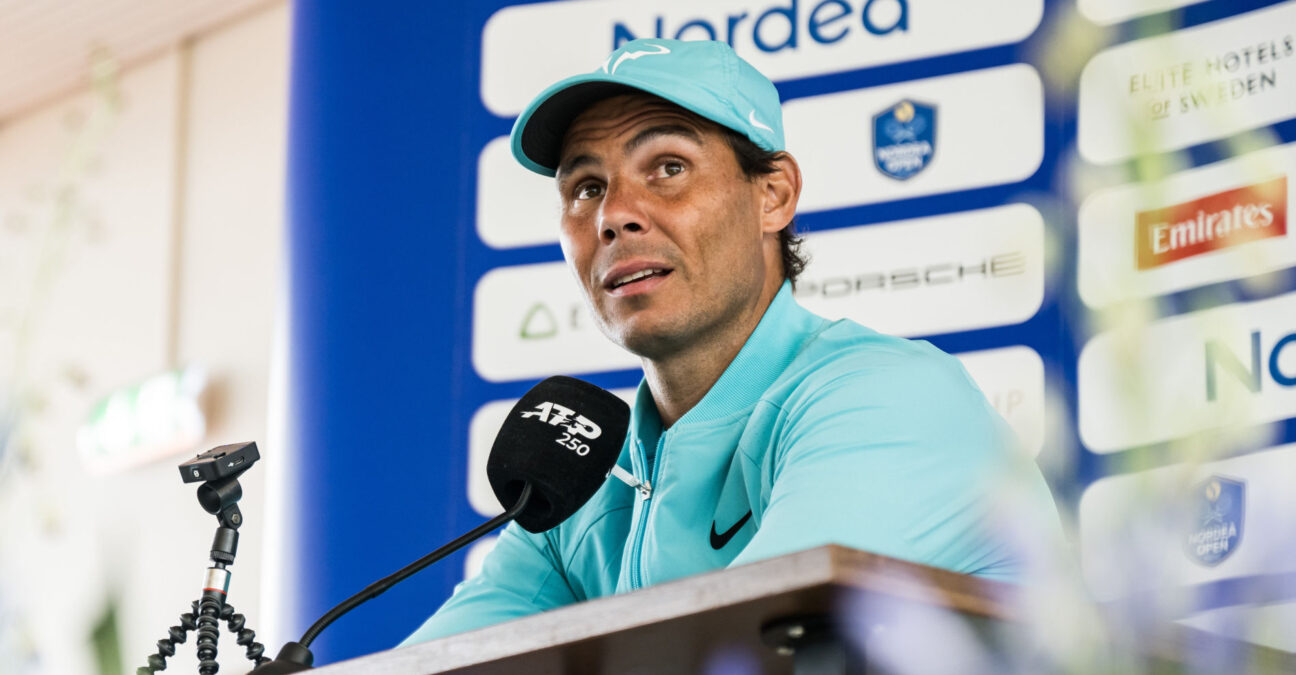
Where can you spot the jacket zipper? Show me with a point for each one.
(636, 571)
(644, 488)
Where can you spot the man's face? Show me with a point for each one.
(660, 226)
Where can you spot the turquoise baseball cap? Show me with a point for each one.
(704, 76)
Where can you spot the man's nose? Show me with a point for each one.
(621, 212)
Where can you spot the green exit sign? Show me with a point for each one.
(157, 418)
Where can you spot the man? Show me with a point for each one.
(759, 429)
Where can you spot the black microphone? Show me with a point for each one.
(562, 439)
(553, 453)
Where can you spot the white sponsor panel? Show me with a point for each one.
(529, 47)
(1106, 12)
(482, 429)
(531, 321)
(1012, 379)
(1239, 622)
(989, 130)
(1189, 86)
(941, 274)
(1146, 530)
(1220, 368)
(515, 207)
(476, 556)
(1111, 242)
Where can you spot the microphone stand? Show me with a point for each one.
(220, 498)
(296, 656)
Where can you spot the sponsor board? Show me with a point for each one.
(482, 429)
(1212, 223)
(1190, 524)
(1216, 519)
(1215, 223)
(530, 321)
(904, 139)
(476, 556)
(1219, 368)
(941, 274)
(1106, 12)
(514, 206)
(990, 130)
(784, 39)
(1191, 86)
(1012, 379)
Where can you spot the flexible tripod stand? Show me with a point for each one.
(219, 494)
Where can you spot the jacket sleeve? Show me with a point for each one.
(519, 577)
(901, 456)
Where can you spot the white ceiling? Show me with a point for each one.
(47, 46)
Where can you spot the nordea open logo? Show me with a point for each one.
(783, 39)
(778, 27)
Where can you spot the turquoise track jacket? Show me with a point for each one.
(818, 432)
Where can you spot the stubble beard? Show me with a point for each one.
(685, 331)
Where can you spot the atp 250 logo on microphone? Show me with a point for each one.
(482, 429)
(577, 426)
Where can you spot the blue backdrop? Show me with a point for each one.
(386, 126)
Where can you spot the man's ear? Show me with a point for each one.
(780, 190)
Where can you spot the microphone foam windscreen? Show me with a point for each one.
(562, 437)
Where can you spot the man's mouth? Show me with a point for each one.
(638, 276)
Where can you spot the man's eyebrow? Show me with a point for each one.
(659, 131)
(574, 163)
(567, 167)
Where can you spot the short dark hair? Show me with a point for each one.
(757, 161)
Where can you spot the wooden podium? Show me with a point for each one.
(773, 612)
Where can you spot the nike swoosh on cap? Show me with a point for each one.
(661, 49)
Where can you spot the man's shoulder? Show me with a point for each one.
(845, 354)
(849, 384)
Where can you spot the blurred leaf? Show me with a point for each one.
(105, 640)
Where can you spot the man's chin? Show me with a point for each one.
(649, 340)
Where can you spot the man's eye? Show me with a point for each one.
(672, 168)
(589, 191)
